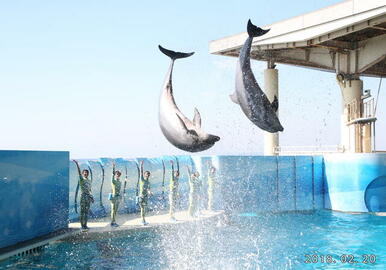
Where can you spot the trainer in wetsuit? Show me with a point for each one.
(212, 184)
(144, 192)
(116, 195)
(85, 195)
(194, 190)
(173, 192)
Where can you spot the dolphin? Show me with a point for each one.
(252, 100)
(183, 133)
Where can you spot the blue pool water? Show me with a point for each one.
(249, 241)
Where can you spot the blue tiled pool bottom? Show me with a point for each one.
(316, 240)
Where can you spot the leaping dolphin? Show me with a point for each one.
(178, 129)
(252, 100)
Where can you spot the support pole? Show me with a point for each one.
(271, 86)
(366, 138)
(351, 134)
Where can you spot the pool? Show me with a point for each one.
(319, 239)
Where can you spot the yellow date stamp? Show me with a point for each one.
(344, 258)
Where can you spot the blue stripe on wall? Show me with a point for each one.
(263, 184)
(318, 182)
(304, 183)
(286, 174)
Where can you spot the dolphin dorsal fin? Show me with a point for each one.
(182, 123)
(234, 98)
(197, 118)
(275, 104)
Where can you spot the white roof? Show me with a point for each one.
(335, 27)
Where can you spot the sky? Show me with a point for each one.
(85, 77)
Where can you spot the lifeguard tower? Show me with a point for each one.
(348, 39)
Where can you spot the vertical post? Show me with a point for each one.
(366, 138)
(271, 89)
(351, 134)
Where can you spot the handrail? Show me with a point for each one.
(356, 111)
(308, 149)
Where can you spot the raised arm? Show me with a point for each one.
(139, 178)
(141, 169)
(77, 166)
(113, 178)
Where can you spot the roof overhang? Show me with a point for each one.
(348, 38)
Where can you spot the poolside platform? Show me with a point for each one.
(100, 228)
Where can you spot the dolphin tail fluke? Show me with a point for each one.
(174, 55)
(275, 104)
(234, 98)
(254, 31)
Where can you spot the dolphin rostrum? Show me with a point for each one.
(252, 100)
(177, 128)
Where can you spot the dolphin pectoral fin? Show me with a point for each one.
(234, 98)
(197, 118)
(275, 104)
(188, 131)
(182, 123)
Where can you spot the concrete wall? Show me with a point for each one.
(33, 194)
(356, 182)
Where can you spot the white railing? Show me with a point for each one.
(355, 111)
(308, 150)
(368, 108)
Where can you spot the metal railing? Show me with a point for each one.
(368, 108)
(356, 111)
(308, 150)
